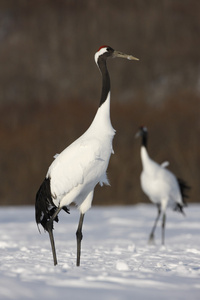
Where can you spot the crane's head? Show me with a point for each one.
(106, 52)
(144, 135)
(141, 132)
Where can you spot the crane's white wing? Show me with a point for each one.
(56, 155)
(165, 164)
(161, 184)
(82, 160)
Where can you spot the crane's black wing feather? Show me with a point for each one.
(44, 206)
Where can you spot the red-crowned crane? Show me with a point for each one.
(76, 171)
(161, 186)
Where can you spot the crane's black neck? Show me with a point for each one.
(144, 138)
(105, 79)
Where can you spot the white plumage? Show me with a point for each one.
(160, 185)
(76, 171)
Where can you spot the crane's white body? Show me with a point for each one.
(80, 167)
(158, 183)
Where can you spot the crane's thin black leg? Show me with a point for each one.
(50, 231)
(49, 227)
(163, 228)
(151, 237)
(79, 237)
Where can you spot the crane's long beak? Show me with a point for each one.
(123, 55)
(138, 134)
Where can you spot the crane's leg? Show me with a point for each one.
(163, 228)
(151, 237)
(79, 237)
(49, 227)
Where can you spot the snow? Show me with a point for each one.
(116, 262)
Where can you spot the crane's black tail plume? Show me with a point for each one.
(46, 212)
(184, 188)
(44, 206)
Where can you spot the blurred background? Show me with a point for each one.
(50, 89)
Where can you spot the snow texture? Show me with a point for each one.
(116, 263)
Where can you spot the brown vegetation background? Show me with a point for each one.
(50, 89)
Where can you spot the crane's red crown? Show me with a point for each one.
(104, 46)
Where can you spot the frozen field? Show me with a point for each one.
(116, 262)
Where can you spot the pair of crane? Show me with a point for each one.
(76, 171)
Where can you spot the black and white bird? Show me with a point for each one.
(161, 186)
(76, 171)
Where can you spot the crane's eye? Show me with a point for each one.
(109, 49)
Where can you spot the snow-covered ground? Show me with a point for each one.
(116, 263)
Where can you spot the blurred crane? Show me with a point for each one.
(160, 185)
